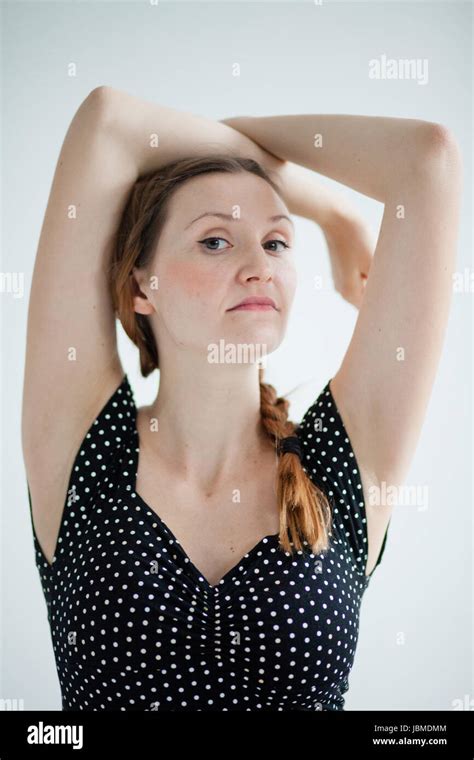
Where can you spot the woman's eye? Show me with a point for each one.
(282, 242)
(207, 241)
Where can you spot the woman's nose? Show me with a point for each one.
(257, 266)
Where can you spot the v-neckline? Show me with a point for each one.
(154, 515)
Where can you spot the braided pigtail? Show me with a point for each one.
(305, 512)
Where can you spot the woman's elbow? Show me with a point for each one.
(100, 101)
(438, 149)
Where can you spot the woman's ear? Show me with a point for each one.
(141, 304)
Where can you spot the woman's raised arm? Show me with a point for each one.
(371, 154)
(71, 361)
(384, 382)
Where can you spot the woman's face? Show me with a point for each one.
(204, 265)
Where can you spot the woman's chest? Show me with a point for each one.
(133, 600)
(217, 529)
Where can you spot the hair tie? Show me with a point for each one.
(290, 444)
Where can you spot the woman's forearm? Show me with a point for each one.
(371, 154)
(153, 135)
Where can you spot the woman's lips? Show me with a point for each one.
(254, 307)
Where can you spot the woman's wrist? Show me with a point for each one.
(304, 192)
(307, 196)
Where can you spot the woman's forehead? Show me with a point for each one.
(228, 200)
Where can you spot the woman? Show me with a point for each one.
(204, 553)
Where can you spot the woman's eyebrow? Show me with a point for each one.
(231, 218)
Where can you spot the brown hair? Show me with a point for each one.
(304, 510)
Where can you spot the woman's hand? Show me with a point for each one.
(350, 244)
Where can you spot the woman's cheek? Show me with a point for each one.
(190, 280)
(286, 282)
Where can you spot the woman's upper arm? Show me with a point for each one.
(386, 377)
(71, 362)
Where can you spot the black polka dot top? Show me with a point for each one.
(134, 624)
